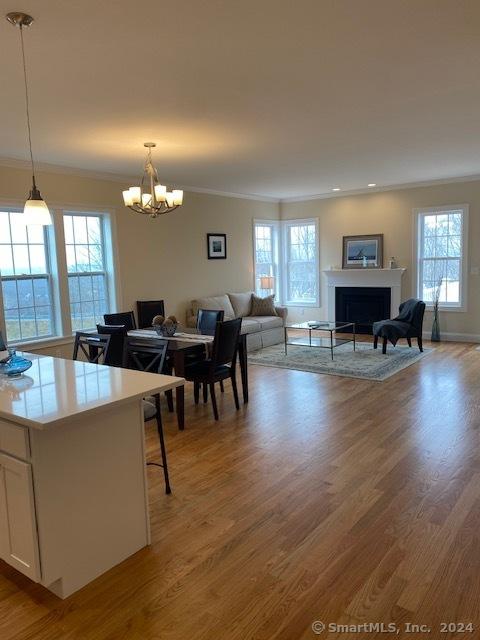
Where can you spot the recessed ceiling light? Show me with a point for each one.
(372, 184)
(336, 189)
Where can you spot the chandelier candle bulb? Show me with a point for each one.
(170, 199)
(160, 192)
(127, 197)
(136, 195)
(177, 196)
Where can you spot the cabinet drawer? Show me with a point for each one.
(14, 440)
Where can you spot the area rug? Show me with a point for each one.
(366, 362)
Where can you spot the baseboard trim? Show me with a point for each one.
(455, 337)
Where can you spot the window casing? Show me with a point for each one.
(301, 264)
(441, 245)
(44, 293)
(26, 279)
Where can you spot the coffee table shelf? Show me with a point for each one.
(313, 338)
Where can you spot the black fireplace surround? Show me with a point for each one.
(362, 305)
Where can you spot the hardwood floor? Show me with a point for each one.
(326, 498)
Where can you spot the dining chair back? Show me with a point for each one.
(117, 333)
(225, 342)
(94, 346)
(207, 320)
(147, 310)
(124, 317)
(142, 355)
(3, 346)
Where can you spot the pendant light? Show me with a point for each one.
(35, 210)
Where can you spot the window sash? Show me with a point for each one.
(267, 267)
(290, 262)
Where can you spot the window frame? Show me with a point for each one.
(286, 224)
(275, 226)
(58, 269)
(48, 275)
(419, 214)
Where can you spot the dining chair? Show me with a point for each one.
(117, 333)
(3, 346)
(94, 346)
(142, 355)
(206, 324)
(124, 317)
(147, 310)
(221, 365)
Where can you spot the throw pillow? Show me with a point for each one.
(241, 303)
(263, 306)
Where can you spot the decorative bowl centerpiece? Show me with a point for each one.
(165, 327)
(16, 365)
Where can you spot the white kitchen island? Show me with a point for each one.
(73, 489)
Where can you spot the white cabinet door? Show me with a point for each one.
(18, 527)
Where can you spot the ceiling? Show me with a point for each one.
(276, 98)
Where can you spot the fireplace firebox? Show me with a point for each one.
(362, 305)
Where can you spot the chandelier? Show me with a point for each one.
(151, 197)
(35, 210)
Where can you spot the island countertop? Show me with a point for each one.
(54, 390)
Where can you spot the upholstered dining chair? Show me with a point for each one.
(117, 333)
(207, 320)
(147, 310)
(124, 317)
(220, 366)
(408, 324)
(142, 355)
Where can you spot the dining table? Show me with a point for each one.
(184, 344)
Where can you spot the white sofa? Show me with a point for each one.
(262, 331)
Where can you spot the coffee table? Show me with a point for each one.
(317, 340)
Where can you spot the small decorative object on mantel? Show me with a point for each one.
(436, 320)
(392, 263)
(363, 252)
(165, 327)
(217, 246)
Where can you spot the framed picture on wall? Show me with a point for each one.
(217, 246)
(363, 251)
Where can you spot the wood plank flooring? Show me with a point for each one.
(326, 498)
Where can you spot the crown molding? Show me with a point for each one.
(391, 187)
(13, 163)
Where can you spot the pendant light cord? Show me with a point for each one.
(27, 106)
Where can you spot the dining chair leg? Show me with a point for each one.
(222, 388)
(235, 390)
(169, 397)
(214, 400)
(162, 445)
(409, 340)
(205, 393)
(196, 391)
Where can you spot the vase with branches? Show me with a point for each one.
(436, 303)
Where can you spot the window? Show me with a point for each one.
(26, 279)
(441, 244)
(87, 276)
(266, 257)
(301, 262)
(55, 280)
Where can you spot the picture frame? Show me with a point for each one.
(217, 246)
(360, 252)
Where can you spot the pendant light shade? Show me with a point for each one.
(35, 210)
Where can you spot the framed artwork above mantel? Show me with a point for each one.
(363, 252)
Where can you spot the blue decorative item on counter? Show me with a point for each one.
(15, 365)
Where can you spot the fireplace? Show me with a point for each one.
(362, 305)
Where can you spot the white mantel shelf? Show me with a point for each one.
(365, 277)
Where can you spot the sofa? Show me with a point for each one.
(262, 331)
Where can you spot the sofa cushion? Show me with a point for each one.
(263, 306)
(215, 302)
(267, 322)
(250, 326)
(241, 303)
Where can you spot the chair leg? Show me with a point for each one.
(162, 446)
(384, 346)
(235, 390)
(214, 400)
(196, 391)
(169, 397)
(375, 342)
(409, 340)
(420, 343)
(222, 388)
(205, 393)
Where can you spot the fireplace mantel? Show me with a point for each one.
(366, 277)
